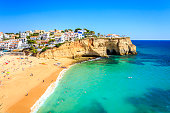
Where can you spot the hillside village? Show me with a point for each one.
(40, 40)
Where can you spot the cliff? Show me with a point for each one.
(91, 47)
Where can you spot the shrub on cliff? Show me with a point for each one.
(44, 49)
(58, 45)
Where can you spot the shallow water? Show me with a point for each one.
(104, 86)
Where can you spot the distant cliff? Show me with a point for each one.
(91, 47)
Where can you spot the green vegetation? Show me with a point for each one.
(98, 34)
(9, 33)
(58, 45)
(16, 37)
(31, 42)
(76, 30)
(35, 34)
(51, 34)
(51, 40)
(19, 34)
(87, 30)
(66, 30)
(5, 39)
(28, 37)
(70, 30)
(44, 49)
(92, 32)
(33, 50)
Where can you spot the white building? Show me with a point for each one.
(69, 36)
(112, 36)
(23, 35)
(78, 35)
(61, 39)
(41, 32)
(34, 38)
(23, 40)
(1, 36)
(28, 33)
(10, 44)
(82, 31)
(45, 36)
(7, 36)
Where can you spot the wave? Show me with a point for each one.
(51, 89)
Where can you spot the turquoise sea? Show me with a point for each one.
(119, 84)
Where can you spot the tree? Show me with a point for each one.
(4, 37)
(70, 30)
(87, 30)
(28, 37)
(41, 37)
(66, 30)
(16, 37)
(31, 42)
(98, 34)
(76, 30)
(19, 34)
(35, 34)
(33, 50)
(62, 31)
(51, 40)
(92, 32)
(55, 30)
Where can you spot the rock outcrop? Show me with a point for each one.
(91, 47)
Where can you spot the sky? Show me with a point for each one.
(138, 19)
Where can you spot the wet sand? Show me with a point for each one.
(21, 88)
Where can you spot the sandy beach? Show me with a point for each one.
(24, 79)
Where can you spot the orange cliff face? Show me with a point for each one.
(92, 48)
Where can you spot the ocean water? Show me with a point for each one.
(119, 84)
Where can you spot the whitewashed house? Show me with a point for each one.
(79, 35)
(45, 36)
(69, 36)
(1, 36)
(112, 36)
(28, 33)
(82, 31)
(10, 44)
(34, 38)
(61, 39)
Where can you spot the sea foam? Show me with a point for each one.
(48, 92)
(51, 89)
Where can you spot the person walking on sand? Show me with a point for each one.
(31, 74)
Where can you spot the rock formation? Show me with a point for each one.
(91, 47)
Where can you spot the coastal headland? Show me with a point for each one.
(92, 47)
(23, 87)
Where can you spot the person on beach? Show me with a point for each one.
(31, 74)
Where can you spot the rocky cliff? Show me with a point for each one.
(92, 47)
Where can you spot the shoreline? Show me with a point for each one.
(26, 102)
(49, 91)
(52, 87)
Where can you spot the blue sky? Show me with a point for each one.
(139, 19)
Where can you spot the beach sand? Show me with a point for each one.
(23, 84)
(23, 80)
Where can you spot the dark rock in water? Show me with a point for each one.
(155, 101)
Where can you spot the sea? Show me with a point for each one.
(118, 84)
